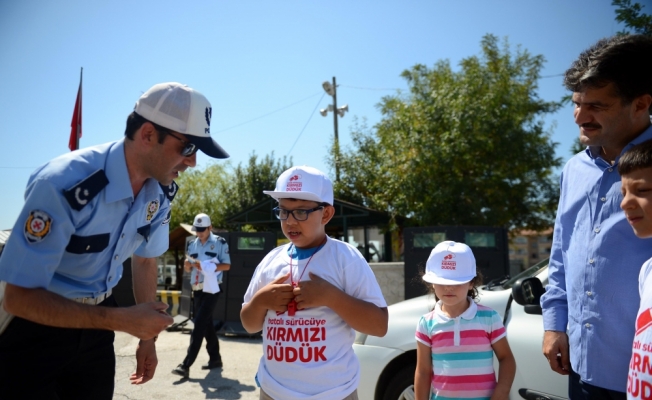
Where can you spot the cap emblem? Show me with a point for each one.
(293, 184)
(446, 262)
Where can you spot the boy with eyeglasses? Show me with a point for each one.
(309, 296)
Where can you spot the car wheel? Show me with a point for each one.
(401, 386)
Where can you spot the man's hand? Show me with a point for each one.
(147, 320)
(146, 362)
(313, 293)
(555, 349)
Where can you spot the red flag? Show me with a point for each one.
(76, 123)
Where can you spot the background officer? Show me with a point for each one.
(208, 253)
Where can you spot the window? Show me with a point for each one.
(428, 240)
(251, 243)
(480, 239)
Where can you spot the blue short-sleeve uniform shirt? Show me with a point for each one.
(80, 222)
(215, 247)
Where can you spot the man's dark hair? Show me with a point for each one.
(638, 157)
(625, 61)
(135, 121)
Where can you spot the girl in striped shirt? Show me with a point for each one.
(456, 341)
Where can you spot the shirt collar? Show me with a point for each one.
(468, 314)
(119, 186)
(594, 151)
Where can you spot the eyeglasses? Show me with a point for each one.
(299, 215)
(189, 148)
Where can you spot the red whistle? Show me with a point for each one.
(292, 308)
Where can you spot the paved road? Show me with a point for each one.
(234, 381)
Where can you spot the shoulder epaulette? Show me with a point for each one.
(221, 239)
(80, 194)
(170, 190)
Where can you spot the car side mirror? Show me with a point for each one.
(527, 292)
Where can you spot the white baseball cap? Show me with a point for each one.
(201, 221)
(303, 183)
(181, 109)
(450, 263)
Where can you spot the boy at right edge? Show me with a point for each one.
(635, 168)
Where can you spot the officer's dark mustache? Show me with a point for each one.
(591, 126)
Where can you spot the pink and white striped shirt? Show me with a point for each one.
(462, 356)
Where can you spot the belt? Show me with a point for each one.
(94, 301)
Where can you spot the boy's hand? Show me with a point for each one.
(313, 293)
(276, 295)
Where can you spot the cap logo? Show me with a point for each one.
(293, 185)
(199, 220)
(208, 114)
(446, 263)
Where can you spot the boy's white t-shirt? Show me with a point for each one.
(639, 379)
(310, 355)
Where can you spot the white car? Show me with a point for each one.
(387, 364)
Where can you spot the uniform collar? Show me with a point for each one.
(119, 186)
(211, 239)
(468, 314)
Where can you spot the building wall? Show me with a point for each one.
(390, 277)
(527, 248)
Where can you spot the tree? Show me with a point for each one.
(463, 147)
(221, 191)
(631, 15)
(246, 184)
(201, 191)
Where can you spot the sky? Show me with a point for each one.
(261, 64)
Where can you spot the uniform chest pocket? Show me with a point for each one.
(88, 244)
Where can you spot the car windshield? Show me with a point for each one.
(532, 271)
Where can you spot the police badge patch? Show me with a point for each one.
(152, 208)
(37, 226)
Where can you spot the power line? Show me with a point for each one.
(304, 127)
(269, 113)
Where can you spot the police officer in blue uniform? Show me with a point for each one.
(206, 247)
(85, 213)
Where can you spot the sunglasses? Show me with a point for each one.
(189, 148)
(299, 215)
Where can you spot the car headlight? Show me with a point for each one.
(360, 338)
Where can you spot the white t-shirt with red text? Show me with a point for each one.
(639, 379)
(310, 355)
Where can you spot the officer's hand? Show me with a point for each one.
(146, 362)
(313, 293)
(555, 349)
(275, 295)
(147, 320)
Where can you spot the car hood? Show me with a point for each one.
(404, 316)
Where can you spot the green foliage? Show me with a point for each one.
(246, 183)
(221, 191)
(633, 17)
(201, 191)
(463, 147)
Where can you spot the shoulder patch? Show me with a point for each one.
(170, 191)
(37, 226)
(80, 194)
